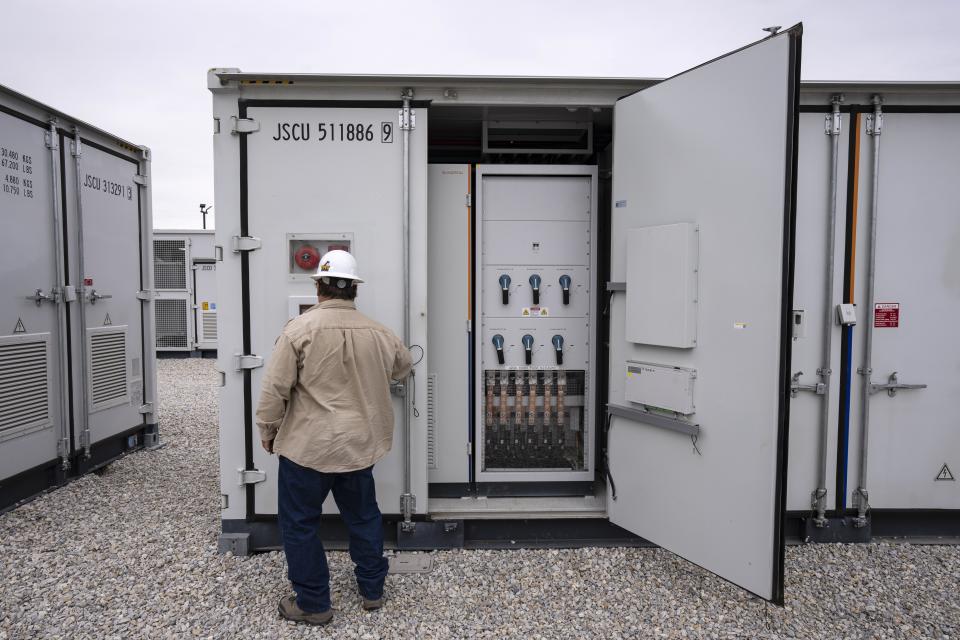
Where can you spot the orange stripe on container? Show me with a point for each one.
(856, 198)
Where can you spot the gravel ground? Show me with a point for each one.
(132, 553)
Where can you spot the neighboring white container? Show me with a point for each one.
(733, 156)
(77, 385)
(184, 276)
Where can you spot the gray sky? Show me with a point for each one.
(139, 69)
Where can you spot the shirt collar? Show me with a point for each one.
(336, 303)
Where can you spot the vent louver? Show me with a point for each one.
(108, 368)
(431, 421)
(209, 326)
(171, 324)
(24, 385)
(170, 264)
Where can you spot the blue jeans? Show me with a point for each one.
(301, 493)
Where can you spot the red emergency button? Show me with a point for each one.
(307, 257)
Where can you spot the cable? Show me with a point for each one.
(422, 352)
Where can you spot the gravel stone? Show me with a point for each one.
(132, 553)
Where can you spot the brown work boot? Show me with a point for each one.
(372, 605)
(290, 611)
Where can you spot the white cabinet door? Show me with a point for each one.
(714, 147)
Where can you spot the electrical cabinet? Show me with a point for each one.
(536, 229)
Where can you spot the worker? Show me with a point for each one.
(325, 410)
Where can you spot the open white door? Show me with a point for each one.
(702, 236)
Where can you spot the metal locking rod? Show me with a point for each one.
(893, 385)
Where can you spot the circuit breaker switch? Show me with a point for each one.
(505, 289)
(535, 287)
(565, 282)
(528, 347)
(558, 347)
(498, 345)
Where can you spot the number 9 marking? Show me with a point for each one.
(386, 132)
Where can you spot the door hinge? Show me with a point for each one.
(831, 124)
(250, 476)
(140, 179)
(469, 199)
(242, 362)
(244, 125)
(50, 141)
(216, 126)
(146, 295)
(469, 448)
(408, 119)
(893, 385)
(146, 407)
(245, 243)
(874, 124)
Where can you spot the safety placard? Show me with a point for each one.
(886, 315)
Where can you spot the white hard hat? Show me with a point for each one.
(337, 265)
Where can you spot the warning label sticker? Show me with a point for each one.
(945, 473)
(886, 315)
(534, 312)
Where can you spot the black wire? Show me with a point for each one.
(419, 360)
(606, 459)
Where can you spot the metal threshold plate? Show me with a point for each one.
(518, 508)
(411, 563)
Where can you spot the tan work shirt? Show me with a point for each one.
(326, 390)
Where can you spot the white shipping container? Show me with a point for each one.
(736, 154)
(77, 371)
(184, 276)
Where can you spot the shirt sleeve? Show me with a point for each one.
(402, 364)
(278, 381)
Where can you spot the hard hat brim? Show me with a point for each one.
(337, 276)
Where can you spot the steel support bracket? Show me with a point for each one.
(250, 476)
(243, 361)
(893, 385)
(244, 125)
(245, 243)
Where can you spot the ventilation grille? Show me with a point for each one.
(170, 264)
(24, 386)
(108, 368)
(209, 326)
(171, 317)
(432, 421)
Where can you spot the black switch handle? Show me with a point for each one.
(558, 348)
(535, 286)
(498, 345)
(528, 347)
(505, 288)
(565, 284)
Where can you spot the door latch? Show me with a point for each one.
(94, 296)
(39, 297)
(893, 385)
(795, 386)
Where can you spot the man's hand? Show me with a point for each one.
(267, 445)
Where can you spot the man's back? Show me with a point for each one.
(325, 396)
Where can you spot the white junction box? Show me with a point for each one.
(660, 386)
(662, 268)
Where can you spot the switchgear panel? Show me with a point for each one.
(536, 228)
